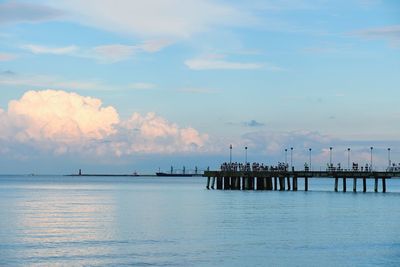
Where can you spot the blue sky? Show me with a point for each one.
(179, 81)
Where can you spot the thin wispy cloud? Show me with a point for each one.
(152, 46)
(217, 62)
(389, 33)
(113, 53)
(153, 18)
(7, 56)
(197, 90)
(16, 12)
(141, 86)
(10, 78)
(39, 49)
(109, 53)
(46, 81)
(253, 123)
(7, 73)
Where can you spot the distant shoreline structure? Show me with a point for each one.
(164, 174)
(101, 174)
(135, 174)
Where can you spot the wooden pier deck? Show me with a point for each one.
(288, 180)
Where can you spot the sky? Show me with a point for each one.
(126, 85)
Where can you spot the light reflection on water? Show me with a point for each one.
(175, 221)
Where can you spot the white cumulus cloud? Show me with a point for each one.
(61, 116)
(153, 134)
(62, 122)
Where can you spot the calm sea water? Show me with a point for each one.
(139, 221)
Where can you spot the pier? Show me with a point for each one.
(284, 180)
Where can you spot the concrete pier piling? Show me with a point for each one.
(305, 183)
(227, 183)
(252, 183)
(336, 184)
(237, 183)
(364, 185)
(344, 184)
(219, 183)
(281, 183)
(294, 183)
(260, 183)
(246, 182)
(272, 179)
(269, 183)
(384, 185)
(264, 181)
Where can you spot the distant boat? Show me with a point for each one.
(174, 174)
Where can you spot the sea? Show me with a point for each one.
(175, 221)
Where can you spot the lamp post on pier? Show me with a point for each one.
(371, 158)
(310, 157)
(230, 156)
(330, 156)
(348, 158)
(285, 156)
(291, 158)
(389, 161)
(245, 156)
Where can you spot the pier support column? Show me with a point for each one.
(219, 183)
(237, 183)
(364, 185)
(260, 183)
(212, 182)
(275, 183)
(208, 182)
(269, 183)
(233, 183)
(305, 183)
(227, 183)
(281, 183)
(354, 184)
(376, 185)
(251, 183)
(336, 184)
(294, 183)
(288, 183)
(344, 184)
(246, 181)
(384, 185)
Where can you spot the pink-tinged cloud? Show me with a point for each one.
(63, 122)
(153, 134)
(7, 57)
(61, 116)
